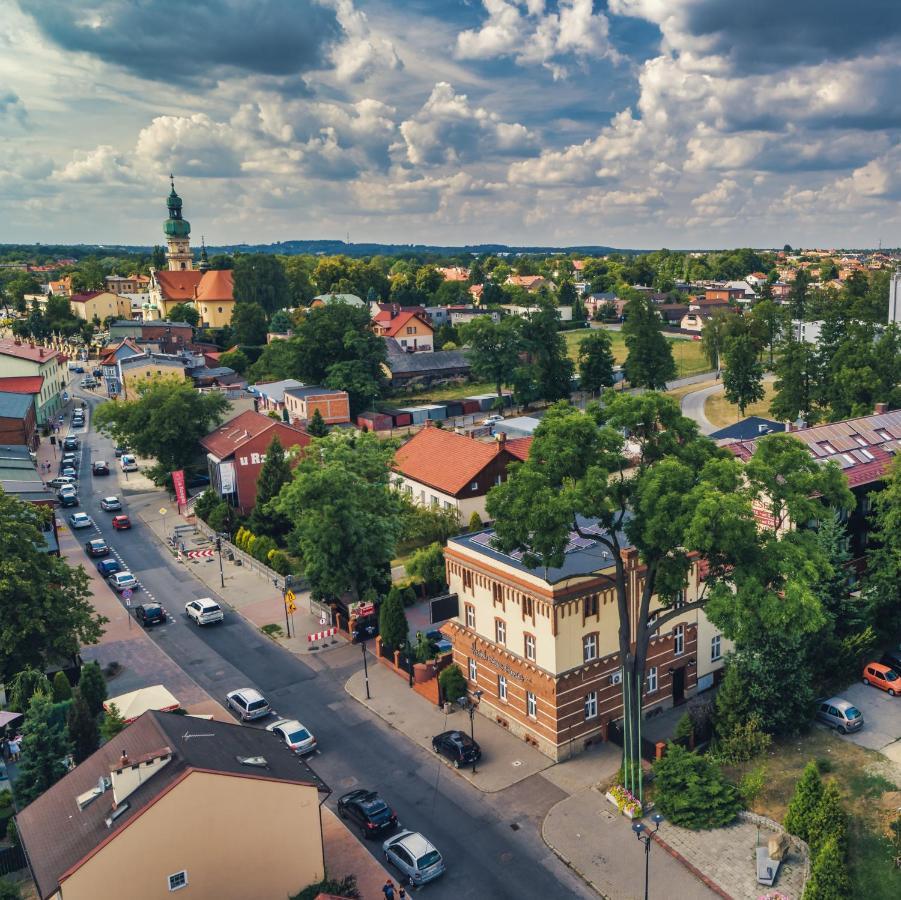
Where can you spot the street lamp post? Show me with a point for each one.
(365, 667)
(472, 715)
(219, 551)
(645, 836)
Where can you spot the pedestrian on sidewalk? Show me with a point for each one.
(14, 753)
(388, 890)
(402, 894)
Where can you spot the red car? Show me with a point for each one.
(121, 522)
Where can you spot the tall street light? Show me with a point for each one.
(477, 695)
(645, 836)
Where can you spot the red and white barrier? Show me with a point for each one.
(321, 635)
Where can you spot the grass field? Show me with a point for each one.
(722, 413)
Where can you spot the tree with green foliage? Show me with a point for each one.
(882, 579)
(184, 312)
(44, 751)
(427, 564)
(797, 297)
(829, 879)
(112, 723)
(81, 725)
(235, 359)
(692, 792)
(62, 690)
(549, 363)
(393, 627)
(316, 426)
(259, 279)
(475, 523)
(829, 820)
(452, 683)
(347, 517)
(493, 348)
(249, 324)
(92, 687)
(596, 361)
(796, 376)
(717, 330)
(24, 685)
(767, 322)
(165, 422)
(650, 362)
(280, 323)
(45, 609)
(266, 518)
(683, 499)
(9, 890)
(743, 378)
(804, 803)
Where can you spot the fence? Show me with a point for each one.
(11, 860)
(648, 748)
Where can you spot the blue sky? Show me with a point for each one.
(637, 123)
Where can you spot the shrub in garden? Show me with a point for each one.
(684, 729)
(692, 792)
(393, 626)
(205, 503)
(92, 686)
(262, 547)
(744, 742)
(278, 561)
(453, 684)
(62, 690)
(475, 523)
(828, 874)
(804, 803)
(751, 785)
(829, 820)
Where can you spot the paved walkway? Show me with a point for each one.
(591, 837)
(505, 758)
(693, 407)
(345, 855)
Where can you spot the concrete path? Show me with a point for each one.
(693, 407)
(345, 855)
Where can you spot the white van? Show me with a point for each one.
(128, 463)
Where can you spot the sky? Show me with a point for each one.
(628, 123)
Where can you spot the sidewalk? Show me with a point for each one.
(505, 759)
(345, 855)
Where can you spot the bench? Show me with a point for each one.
(767, 868)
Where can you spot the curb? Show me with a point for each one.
(569, 865)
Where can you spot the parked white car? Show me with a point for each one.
(414, 857)
(294, 735)
(128, 463)
(491, 420)
(204, 611)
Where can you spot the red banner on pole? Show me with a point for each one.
(181, 494)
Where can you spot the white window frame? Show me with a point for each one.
(678, 640)
(530, 647)
(473, 671)
(591, 705)
(470, 616)
(502, 687)
(589, 647)
(716, 648)
(184, 874)
(531, 705)
(500, 632)
(651, 680)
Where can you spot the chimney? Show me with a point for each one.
(501, 438)
(123, 759)
(789, 426)
(880, 409)
(395, 310)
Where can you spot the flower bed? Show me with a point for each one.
(624, 801)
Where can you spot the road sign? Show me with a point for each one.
(290, 597)
(163, 511)
(126, 594)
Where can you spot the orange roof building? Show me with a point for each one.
(409, 327)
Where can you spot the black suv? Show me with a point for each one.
(150, 614)
(458, 747)
(368, 811)
(70, 443)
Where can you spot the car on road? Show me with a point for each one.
(100, 468)
(128, 463)
(491, 420)
(107, 567)
(458, 747)
(77, 369)
(97, 373)
(67, 499)
(204, 611)
(70, 443)
(294, 735)
(68, 472)
(120, 450)
(69, 459)
(414, 856)
(89, 382)
(62, 481)
(840, 714)
(110, 504)
(150, 613)
(877, 675)
(248, 704)
(121, 523)
(80, 520)
(368, 812)
(97, 547)
(892, 659)
(123, 581)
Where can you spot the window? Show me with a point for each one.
(679, 600)
(590, 606)
(473, 670)
(651, 680)
(502, 687)
(500, 631)
(528, 607)
(448, 504)
(591, 705)
(467, 580)
(498, 479)
(411, 330)
(178, 880)
(715, 647)
(530, 646)
(590, 647)
(679, 640)
(474, 486)
(470, 615)
(531, 705)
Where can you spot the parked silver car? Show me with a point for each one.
(840, 714)
(248, 704)
(414, 857)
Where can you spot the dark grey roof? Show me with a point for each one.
(206, 372)
(747, 429)
(583, 556)
(57, 835)
(402, 363)
(14, 406)
(309, 390)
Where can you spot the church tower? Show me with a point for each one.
(177, 231)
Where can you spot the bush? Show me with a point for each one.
(746, 741)
(692, 792)
(452, 683)
(829, 820)
(92, 685)
(804, 803)
(346, 887)
(475, 523)
(278, 561)
(205, 503)
(684, 729)
(262, 547)
(62, 690)
(393, 626)
(112, 723)
(221, 517)
(427, 564)
(751, 785)
(828, 875)
(9, 891)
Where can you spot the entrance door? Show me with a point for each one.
(679, 686)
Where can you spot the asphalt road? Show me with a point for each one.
(491, 842)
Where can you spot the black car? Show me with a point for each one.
(70, 443)
(892, 659)
(97, 547)
(100, 468)
(368, 811)
(68, 500)
(120, 450)
(458, 747)
(150, 614)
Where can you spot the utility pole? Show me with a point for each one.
(219, 551)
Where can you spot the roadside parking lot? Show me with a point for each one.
(882, 720)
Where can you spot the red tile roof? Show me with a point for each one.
(231, 436)
(520, 447)
(178, 285)
(216, 285)
(87, 295)
(23, 384)
(390, 327)
(9, 347)
(448, 461)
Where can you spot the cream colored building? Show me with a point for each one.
(543, 646)
(99, 305)
(176, 804)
